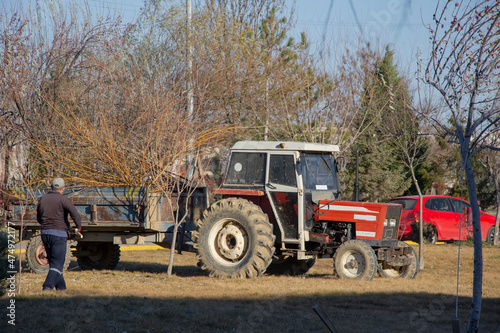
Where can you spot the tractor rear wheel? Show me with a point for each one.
(36, 257)
(234, 239)
(355, 260)
(290, 266)
(97, 255)
(397, 272)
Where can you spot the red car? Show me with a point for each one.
(442, 217)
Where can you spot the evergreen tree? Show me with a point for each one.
(386, 95)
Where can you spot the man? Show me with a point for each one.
(52, 213)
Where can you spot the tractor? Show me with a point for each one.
(279, 210)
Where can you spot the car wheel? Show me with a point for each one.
(491, 234)
(430, 234)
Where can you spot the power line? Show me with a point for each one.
(106, 5)
(324, 29)
(354, 24)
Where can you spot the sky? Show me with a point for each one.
(329, 23)
(397, 23)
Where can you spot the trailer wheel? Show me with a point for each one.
(397, 272)
(36, 257)
(97, 255)
(355, 260)
(234, 239)
(290, 266)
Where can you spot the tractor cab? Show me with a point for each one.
(279, 211)
(286, 179)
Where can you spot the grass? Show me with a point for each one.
(137, 297)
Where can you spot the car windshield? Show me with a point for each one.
(319, 172)
(408, 204)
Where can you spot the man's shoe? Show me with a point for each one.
(47, 288)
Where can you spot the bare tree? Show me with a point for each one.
(45, 65)
(322, 105)
(100, 114)
(405, 132)
(15, 75)
(491, 161)
(464, 68)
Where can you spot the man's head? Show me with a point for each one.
(58, 184)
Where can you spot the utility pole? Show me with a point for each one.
(190, 103)
(190, 53)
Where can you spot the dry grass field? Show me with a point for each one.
(137, 297)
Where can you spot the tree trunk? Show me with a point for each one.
(497, 219)
(421, 232)
(6, 172)
(477, 285)
(174, 241)
(420, 220)
(172, 249)
(494, 175)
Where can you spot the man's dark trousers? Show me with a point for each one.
(55, 247)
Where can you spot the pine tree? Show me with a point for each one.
(381, 177)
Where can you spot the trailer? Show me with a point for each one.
(111, 216)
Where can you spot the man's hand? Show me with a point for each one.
(74, 233)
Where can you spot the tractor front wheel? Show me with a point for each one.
(234, 239)
(355, 260)
(397, 272)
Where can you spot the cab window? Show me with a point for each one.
(282, 170)
(319, 172)
(246, 169)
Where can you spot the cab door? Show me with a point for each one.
(285, 197)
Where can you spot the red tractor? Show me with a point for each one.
(280, 211)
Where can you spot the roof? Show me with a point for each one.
(285, 146)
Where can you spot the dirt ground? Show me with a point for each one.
(138, 297)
